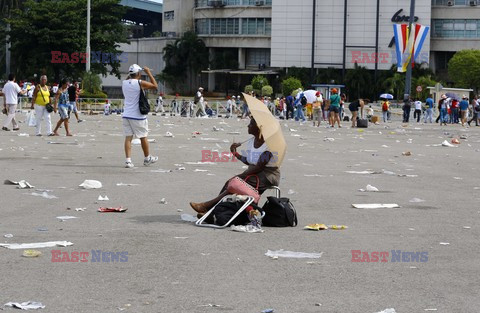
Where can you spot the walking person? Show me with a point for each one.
(335, 108)
(354, 107)
(135, 123)
(199, 101)
(475, 111)
(290, 109)
(418, 110)
(464, 110)
(385, 109)
(317, 109)
(40, 101)
(61, 105)
(443, 110)
(73, 92)
(10, 100)
(299, 115)
(429, 111)
(407, 106)
(455, 112)
(159, 104)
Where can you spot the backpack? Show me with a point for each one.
(385, 106)
(196, 98)
(303, 101)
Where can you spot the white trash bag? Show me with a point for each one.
(31, 120)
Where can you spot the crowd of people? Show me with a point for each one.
(44, 100)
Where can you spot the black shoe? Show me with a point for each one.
(5, 129)
(469, 123)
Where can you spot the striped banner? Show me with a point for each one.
(408, 44)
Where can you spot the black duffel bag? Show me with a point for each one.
(224, 211)
(279, 212)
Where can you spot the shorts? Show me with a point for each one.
(353, 108)
(73, 106)
(63, 111)
(139, 128)
(334, 109)
(309, 108)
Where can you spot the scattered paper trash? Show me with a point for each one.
(246, 229)
(80, 209)
(329, 139)
(360, 172)
(23, 184)
(23, 135)
(371, 188)
(29, 305)
(291, 254)
(268, 311)
(198, 170)
(91, 184)
(316, 227)
(163, 201)
(455, 141)
(161, 171)
(66, 217)
(30, 253)
(416, 200)
(122, 184)
(112, 210)
(36, 245)
(337, 227)
(376, 206)
(8, 236)
(44, 195)
(431, 310)
(388, 311)
(447, 144)
(169, 134)
(444, 243)
(188, 218)
(103, 198)
(407, 153)
(467, 227)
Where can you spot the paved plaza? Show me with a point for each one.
(174, 266)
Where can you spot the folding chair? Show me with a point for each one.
(248, 201)
(200, 222)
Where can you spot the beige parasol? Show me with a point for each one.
(269, 127)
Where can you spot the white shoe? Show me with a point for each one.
(129, 165)
(150, 160)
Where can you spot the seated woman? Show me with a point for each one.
(261, 164)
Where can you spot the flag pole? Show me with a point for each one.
(408, 78)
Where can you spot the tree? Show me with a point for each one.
(395, 85)
(258, 82)
(184, 59)
(59, 25)
(248, 89)
(92, 86)
(424, 81)
(464, 69)
(267, 90)
(290, 84)
(358, 82)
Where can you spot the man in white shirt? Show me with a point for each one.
(200, 103)
(418, 110)
(229, 108)
(10, 100)
(159, 103)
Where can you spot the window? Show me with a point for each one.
(205, 3)
(256, 26)
(455, 28)
(217, 26)
(169, 15)
(258, 56)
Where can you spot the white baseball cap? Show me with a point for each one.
(134, 69)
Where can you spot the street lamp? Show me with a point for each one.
(88, 36)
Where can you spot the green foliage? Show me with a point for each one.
(267, 90)
(91, 83)
(358, 82)
(303, 74)
(184, 58)
(290, 84)
(295, 92)
(258, 82)
(464, 69)
(329, 76)
(395, 85)
(424, 81)
(248, 89)
(99, 95)
(59, 25)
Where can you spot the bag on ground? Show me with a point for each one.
(224, 211)
(362, 123)
(279, 212)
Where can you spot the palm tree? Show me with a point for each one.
(187, 56)
(6, 8)
(359, 82)
(395, 85)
